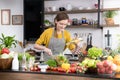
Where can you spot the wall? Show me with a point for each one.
(98, 34)
(113, 30)
(16, 7)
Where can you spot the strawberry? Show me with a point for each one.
(5, 50)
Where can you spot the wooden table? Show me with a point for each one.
(23, 75)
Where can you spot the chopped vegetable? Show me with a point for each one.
(51, 63)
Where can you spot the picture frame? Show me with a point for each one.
(5, 16)
(17, 19)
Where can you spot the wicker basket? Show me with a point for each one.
(5, 63)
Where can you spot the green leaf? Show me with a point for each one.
(110, 14)
(7, 41)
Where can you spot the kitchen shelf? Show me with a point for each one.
(74, 11)
(111, 9)
(82, 26)
(115, 25)
(91, 26)
(88, 26)
(83, 11)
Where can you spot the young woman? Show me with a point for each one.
(55, 39)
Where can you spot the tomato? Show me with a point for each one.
(54, 69)
(61, 69)
(31, 69)
(49, 68)
(35, 69)
(5, 50)
(72, 69)
(73, 65)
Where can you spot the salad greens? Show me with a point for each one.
(51, 63)
(95, 52)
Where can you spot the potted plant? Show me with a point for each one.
(7, 41)
(109, 17)
(6, 57)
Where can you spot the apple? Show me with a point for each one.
(106, 63)
(102, 70)
(107, 69)
(99, 65)
(109, 72)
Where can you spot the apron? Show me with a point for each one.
(56, 45)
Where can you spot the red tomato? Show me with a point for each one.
(31, 69)
(61, 69)
(35, 68)
(73, 69)
(54, 69)
(5, 50)
(73, 65)
(39, 69)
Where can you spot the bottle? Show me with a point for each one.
(15, 63)
(24, 62)
(41, 57)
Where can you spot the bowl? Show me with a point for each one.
(43, 67)
(5, 63)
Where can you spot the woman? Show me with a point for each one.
(55, 39)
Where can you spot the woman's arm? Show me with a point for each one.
(43, 40)
(40, 47)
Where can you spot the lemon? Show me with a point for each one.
(110, 58)
(65, 66)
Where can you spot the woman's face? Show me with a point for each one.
(60, 25)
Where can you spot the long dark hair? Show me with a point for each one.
(61, 16)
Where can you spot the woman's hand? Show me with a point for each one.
(48, 51)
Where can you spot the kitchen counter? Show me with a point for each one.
(28, 75)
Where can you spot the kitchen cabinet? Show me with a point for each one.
(99, 12)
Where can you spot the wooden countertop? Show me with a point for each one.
(27, 75)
